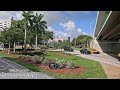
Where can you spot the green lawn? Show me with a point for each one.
(93, 69)
(76, 48)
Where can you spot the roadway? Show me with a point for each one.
(22, 72)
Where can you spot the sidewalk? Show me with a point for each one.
(104, 58)
(6, 65)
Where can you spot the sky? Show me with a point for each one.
(63, 23)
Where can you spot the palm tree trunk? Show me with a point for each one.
(14, 46)
(3, 46)
(75, 43)
(9, 49)
(36, 42)
(25, 42)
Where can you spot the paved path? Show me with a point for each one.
(7, 65)
(102, 57)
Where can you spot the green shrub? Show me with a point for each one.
(37, 59)
(45, 61)
(25, 57)
(60, 64)
(22, 57)
(28, 57)
(71, 64)
(29, 53)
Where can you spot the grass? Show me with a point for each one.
(93, 68)
(13, 58)
(75, 48)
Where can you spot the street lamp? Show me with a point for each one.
(90, 33)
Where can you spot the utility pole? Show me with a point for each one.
(75, 43)
(90, 35)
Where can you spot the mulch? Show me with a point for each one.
(64, 70)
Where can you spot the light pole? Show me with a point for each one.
(90, 33)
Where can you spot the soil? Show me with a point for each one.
(64, 70)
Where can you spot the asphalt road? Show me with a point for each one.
(5, 71)
(6, 65)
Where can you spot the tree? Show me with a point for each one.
(26, 22)
(39, 26)
(81, 39)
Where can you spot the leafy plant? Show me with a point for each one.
(60, 64)
(22, 57)
(28, 57)
(45, 61)
(37, 59)
(71, 64)
(53, 65)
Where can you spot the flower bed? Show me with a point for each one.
(64, 70)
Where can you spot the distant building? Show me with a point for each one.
(56, 39)
(5, 23)
(68, 39)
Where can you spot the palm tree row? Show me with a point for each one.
(32, 24)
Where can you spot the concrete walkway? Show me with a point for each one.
(102, 57)
(7, 65)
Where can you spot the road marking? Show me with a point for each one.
(15, 63)
(5, 67)
(8, 64)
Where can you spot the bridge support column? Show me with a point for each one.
(107, 46)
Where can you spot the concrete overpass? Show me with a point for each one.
(107, 32)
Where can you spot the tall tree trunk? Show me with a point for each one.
(9, 49)
(14, 47)
(3, 46)
(75, 43)
(25, 42)
(36, 42)
(22, 44)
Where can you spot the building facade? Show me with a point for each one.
(5, 23)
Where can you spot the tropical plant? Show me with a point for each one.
(45, 61)
(71, 64)
(37, 59)
(38, 26)
(60, 64)
(27, 21)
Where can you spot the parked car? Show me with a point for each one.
(94, 51)
(68, 49)
(85, 51)
(119, 56)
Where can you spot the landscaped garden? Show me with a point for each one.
(58, 64)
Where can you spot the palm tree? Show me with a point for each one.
(26, 21)
(39, 26)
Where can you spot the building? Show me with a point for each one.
(5, 23)
(56, 40)
(68, 39)
(107, 32)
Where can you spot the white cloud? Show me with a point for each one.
(59, 34)
(84, 33)
(79, 30)
(53, 17)
(50, 29)
(70, 25)
(71, 29)
(15, 14)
